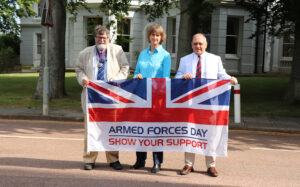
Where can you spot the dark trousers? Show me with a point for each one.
(157, 157)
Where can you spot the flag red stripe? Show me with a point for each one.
(201, 91)
(206, 117)
(109, 93)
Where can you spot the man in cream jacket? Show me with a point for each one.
(103, 61)
(211, 68)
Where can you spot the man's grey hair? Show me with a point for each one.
(199, 34)
(99, 29)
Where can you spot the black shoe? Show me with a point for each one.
(139, 164)
(89, 166)
(116, 165)
(155, 168)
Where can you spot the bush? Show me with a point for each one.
(9, 51)
(6, 59)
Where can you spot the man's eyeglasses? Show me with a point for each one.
(101, 38)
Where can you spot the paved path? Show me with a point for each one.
(48, 153)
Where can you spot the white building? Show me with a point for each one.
(227, 32)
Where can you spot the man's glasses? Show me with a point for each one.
(101, 38)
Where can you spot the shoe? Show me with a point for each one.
(186, 170)
(156, 168)
(116, 165)
(139, 164)
(212, 172)
(89, 166)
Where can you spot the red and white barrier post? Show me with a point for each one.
(237, 104)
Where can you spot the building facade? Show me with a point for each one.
(227, 32)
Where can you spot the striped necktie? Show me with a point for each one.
(198, 70)
(101, 64)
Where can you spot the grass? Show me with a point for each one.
(263, 96)
(260, 96)
(16, 90)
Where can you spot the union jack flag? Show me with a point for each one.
(160, 100)
(199, 108)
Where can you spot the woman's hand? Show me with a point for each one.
(139, 76)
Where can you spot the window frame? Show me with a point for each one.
(235, 36)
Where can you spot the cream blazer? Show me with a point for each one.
(117, 66)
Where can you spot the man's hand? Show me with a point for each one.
(85, 82)
(139, 76)
(187, 76)
(233, 81)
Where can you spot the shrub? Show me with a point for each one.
(6, 59)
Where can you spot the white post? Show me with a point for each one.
(46, 72)
(237, 104)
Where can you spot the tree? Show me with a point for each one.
(11, 11)
(56, 47)
(280, 17)
(192, 14)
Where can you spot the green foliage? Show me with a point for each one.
(6, 56)
(119, 9)
(157, 8)
(73, 5)
(11, 40)
(275, 17)
(12, 10)
(9, 51)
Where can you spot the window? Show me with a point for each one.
(123, 36)
(288, 45)
(204, 27)
(232, 35)
(171, 35)
(91, 24)
(39, 11)
(39, 43)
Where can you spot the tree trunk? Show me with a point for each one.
(56, 53)
(187, 28)
(293, 93)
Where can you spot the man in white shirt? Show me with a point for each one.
(201, 64)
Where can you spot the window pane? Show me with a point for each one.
(232, 35)
(39, 43)
(124, 26)
(91, 24)
(123, 37)
(124, 42)
(232, 26)
(171, 35)
(231, 45)
(288, 45)
(288, 50)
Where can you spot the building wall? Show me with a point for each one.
(28, 49)
(242, 62)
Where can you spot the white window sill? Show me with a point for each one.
(286, 59)
(231, 57)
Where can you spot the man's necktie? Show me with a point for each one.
(198, 70)
(101, 64)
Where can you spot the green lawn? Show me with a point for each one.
(16, 90)
(260, 96)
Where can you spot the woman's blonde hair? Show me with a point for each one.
(156, 28)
